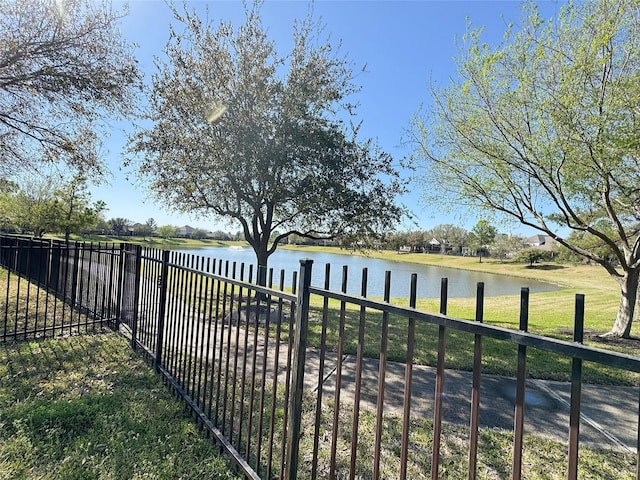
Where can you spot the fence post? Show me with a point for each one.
(136, 295)
(299, 353)
(162, 307)
(518, 421)
(120, 286)
(576, 391)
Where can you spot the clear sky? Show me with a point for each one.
(406, 47)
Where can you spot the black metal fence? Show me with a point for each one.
(238, 354)
(53, 288)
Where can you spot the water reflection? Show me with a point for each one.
(462, 283)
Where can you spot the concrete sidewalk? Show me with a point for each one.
(609, 414)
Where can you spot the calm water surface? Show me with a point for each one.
(462, 283)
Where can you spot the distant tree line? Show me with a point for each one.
(482, 241)
(57, 205)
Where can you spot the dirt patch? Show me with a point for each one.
(632, 343)
(599, 339)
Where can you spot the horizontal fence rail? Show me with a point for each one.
(296, 381)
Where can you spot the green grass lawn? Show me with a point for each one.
(88, 407)
(550, 314)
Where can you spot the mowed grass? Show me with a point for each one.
(89, 407)
(550, 314)
(543, 458)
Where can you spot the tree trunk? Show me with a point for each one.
(262, 259)
(628, 295)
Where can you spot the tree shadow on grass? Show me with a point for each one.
(545, 267)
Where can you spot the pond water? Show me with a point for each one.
(462, 283)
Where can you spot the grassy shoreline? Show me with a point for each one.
(551, 312)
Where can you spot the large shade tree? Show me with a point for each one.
(241, 132)
(543, 128)
(64, 72)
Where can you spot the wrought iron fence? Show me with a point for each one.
(293, 380)
(53, 288)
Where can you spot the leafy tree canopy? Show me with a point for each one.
(544, 129)
(64, 69)
(49, 204)
(531, 256)
(241, 132)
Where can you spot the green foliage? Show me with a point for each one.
(506, 245)
(531, 256)
(454, 236)
(43, 205)
(168, 231)
(119, 225)
(539, 129)
(482, 234)
(64, 69)
(199, 234)
(75, 211)
(242, 132)
(481, 237)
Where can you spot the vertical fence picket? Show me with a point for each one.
(120, 286)
(137, 252)
(42, 254)
(475, 389)
(7, 251)
(576, 391)
(28, 287)
(221, 289)
(319, 389)
(439, 394)
(259, 298)
(205, 346)
(287, 379)
(198, 348)
(408, 380)
(234, 386)
(338, 387)
(297, 376)
(518, 423)
(191, 324)
(19, 292)
(227, 371)
(245, 348)
(212, 331)
(358, 380)
(382, 370)
(73, 304)
(274, 391)
(263, 378)
(164, 280)
(45, 282)
(173, 315)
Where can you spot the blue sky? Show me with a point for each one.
(405, 45)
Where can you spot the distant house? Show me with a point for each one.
(436, 246)
(186, 231)
(543, 242)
